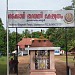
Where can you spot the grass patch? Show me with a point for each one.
(70, 59)
(3, 65)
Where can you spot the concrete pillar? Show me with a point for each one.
(22, 53)
(52, 62)
(32, 55)
(18, 49)
(28, 50)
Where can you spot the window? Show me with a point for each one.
(42, 59)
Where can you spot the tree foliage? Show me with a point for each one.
(2, 38)
(26, 33)
(71, 31)
(13, 41)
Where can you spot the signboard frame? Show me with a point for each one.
(7, 19)
(40, 18)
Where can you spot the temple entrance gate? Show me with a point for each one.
(39, 19)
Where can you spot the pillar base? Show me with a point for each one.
(43, 72)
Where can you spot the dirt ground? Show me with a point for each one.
(23, 66)
(61, 66)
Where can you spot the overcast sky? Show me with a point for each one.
(31, 5)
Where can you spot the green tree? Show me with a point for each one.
(26, 33)
(57, 36)
(12, 40)
(70, 38)
(36, 34)
(71, 31)
(2, 38)
(49, 33)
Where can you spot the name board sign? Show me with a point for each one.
(40, 18)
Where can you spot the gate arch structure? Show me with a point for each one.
(39, 19)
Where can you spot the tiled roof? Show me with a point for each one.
(35, 42)
(25, 41)
(42, 43)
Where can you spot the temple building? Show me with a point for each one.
(28, 42)
(41, 53)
